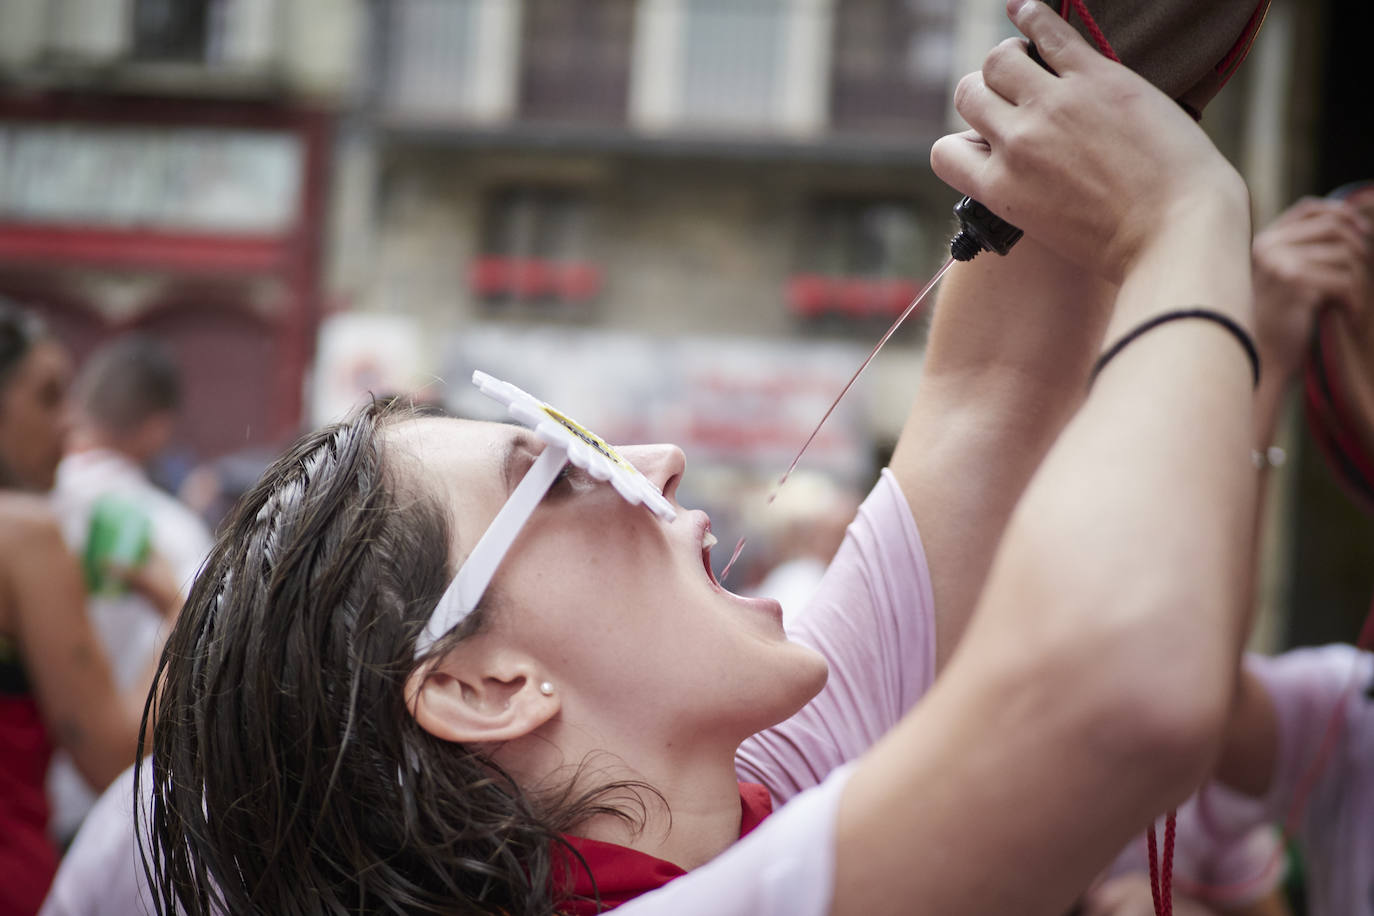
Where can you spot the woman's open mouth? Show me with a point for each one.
(708, 540)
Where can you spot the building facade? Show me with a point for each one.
(164, 167)
(666, 167)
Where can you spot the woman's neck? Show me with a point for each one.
(686, 791)
(690, 817)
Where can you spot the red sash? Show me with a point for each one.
(622, 874)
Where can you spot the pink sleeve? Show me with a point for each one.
(1228, 848)
(1318, 695)
(1223, 855)
(873, 619)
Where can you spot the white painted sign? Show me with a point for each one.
(744, 402)
(221, 180)
(362, 355)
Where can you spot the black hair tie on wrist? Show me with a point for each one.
(1240, 334)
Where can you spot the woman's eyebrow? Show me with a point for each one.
(519, 447)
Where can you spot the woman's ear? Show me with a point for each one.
(480, 693)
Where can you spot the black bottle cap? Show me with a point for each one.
(980, 230)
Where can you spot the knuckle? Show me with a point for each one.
(1000, 56)
(1018, 146)
(967, 90)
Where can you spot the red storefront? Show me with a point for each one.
(199, 222)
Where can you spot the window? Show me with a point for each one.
(232, 33)
(534, 242)
(452, 60)
(893, 64)
(862, 257)
(755, 66)
(171, 30)
(575, 63)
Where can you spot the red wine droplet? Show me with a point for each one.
(915, 303)
(724, 573)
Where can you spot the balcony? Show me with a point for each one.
(240, 48)
(854, 80)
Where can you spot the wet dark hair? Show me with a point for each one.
(20, 329)
(128, 380)
(288, 775)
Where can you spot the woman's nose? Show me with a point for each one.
(662, 464)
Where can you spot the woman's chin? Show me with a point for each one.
(802, 678)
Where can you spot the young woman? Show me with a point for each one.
(366, 707)
(55, 682)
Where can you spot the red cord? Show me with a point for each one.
(1162, 872)
(1166, 875)
(1099, 39)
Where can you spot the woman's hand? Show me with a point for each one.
(1129, 895)
(1091, 159)
(1317, 254)
(153, 580)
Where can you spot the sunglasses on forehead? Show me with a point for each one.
(565, 442)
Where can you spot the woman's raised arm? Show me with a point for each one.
(1096, 674)
(1011, 341)
(85, 712)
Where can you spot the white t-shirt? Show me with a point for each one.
(101, 874)
(872, 618)
(128, 627)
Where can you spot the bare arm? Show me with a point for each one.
(1314, 256)
(1055, 733)
(85, 713)
(1249, 753)
(1010, 346)
(1130, 895)
(1272, 904)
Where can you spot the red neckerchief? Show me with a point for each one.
(622, 874)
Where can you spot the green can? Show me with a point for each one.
(119, 536)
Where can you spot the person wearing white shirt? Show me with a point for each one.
(126, 398)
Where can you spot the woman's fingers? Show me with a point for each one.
(1010, 71)
(959, 160)
(983, 109)
(1325, 220)
(1097, 167)
(1058, 42)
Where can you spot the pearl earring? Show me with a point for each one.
(546, 688)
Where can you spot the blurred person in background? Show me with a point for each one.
(56, 685)
(1300, 749)
(212, 487)
(806, 525)
(127, 397)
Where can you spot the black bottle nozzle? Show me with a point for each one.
(980, 230)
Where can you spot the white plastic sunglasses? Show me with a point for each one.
(565, 441)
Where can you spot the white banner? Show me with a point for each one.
(744, 402)
(144, 177)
